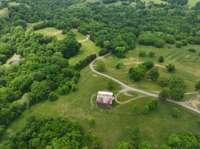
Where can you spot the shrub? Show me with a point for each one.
(161, 59)
(151, 54)
(171, 68)
(178, 44)
(137, 73)
(197, 86)
(192, 50)
(151, 106)
(142, 54)
(83, 63)
(164, 94)
(53, 96)
(148, 65)
(153, 74)
(119, 65)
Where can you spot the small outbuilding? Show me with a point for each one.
(105, 98)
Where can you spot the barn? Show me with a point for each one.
(105, 98)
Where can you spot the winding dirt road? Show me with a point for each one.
(128, 88)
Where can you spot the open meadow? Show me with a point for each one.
(112, 124)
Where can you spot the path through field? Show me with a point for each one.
(128, 88)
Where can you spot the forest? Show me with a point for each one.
(44, 73)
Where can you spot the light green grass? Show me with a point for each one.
(87, 48)
(112, 124)
(51, 32)
(4, 13)
(187, 65)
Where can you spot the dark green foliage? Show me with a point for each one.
(83, 63)
(197, 86)
(119, 65)
(148, 65)
(151, 54)
(171, 68)
(69, 46)
(151, 40)
(151, 106)
(177, 88)
(142, 54)
(192, 50)
(53, 133)
(161, 59)
(137, 73)
(153, 74)
(164, 94)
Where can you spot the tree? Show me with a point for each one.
(39, 91)
(177, 88)
(120, 51)
(153, 74)
(137, 73)
(69, 46)
(148, 65)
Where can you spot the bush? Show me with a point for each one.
(63, 90)
(83, 63)
(148, 65)
(119, 65)
(137, 73)
(53, 96)
(151, 54)
(197, 86)
(161, 59)
(192, 50)
(164, 94)
(142, 54)
(171, 68)
(153, 74)
(151, 106)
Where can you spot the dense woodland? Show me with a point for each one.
(44, 72)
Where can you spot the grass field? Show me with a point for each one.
(51, 32)
(187, 65)
(112, 124)
(4, 12)
(88, 48)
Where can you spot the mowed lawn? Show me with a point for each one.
(112, 124)
(51, 32)
(88, 47)
(186, 63)
(4, 13)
